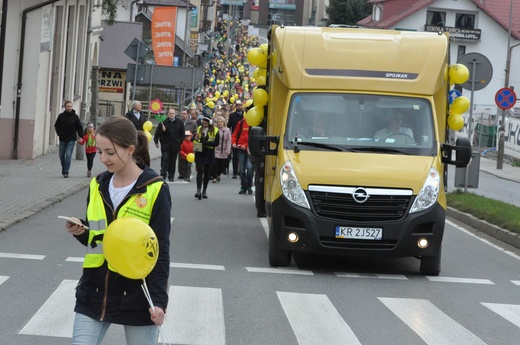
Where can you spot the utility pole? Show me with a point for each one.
(501, 138)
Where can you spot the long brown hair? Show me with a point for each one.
(121, 131)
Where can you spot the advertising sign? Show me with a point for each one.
(163, 34)
(111, 81)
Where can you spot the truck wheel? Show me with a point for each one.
(277, 257)
(431, 265)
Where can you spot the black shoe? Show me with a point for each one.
(204, 195)
(66, 175)
(180, 177)
(164, 177)
(170, 179)
(261, 214)
(234, 177)
(242, 191)
(198, 195)
(249, 191)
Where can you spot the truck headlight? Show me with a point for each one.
(291, 187)
(429, 192)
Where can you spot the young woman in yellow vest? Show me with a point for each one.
(206, 138)
(128, 188)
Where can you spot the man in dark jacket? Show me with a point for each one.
(170, 133)
(234, 118)
(136, 116)
(69, 129)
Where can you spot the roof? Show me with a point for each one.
(116, 38)
(396, 10)
(179, 3)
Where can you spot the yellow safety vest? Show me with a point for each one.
(212, 136)
(138, 206)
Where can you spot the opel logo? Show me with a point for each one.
(360, 195)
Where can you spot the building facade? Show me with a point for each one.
(48, 48)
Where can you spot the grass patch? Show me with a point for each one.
(496, 212)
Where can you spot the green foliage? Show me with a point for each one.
(347, 11)
(110, 10)
(495, 212)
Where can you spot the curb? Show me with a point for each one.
(500, 234)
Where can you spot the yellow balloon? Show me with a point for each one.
(263, 47)
(254, 116)
(259, 72)
(256, 57)
(260, 80)
(147, 126)
(260, 97)
(460, 105)
(458, 74)
(217, 94)
(148, 135)
(131, 247)
(248, 103)
(225, 93)
(190, 157)
(232, 100)
(210, 104)
(456, 122)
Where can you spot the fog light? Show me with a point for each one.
(293, 237)
(422, 243)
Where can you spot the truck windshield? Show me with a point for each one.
(360, 122)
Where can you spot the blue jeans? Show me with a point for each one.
(88, 331)
(246, 169)
(66, 148)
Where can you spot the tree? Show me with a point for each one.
(347, 11)
(110, 9)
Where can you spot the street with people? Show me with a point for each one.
(220, 286)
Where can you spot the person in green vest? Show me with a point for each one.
(129, 188)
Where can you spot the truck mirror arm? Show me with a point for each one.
(462, 150)
(260, 144)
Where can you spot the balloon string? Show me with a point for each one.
(149, 299)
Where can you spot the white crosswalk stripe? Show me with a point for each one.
(3, 279)
(196, 317)
(56, 316)
(329, 328)
(510, 312)
(431, 324)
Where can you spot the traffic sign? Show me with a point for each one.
(482, 67)
(454, 94)
(505, 98)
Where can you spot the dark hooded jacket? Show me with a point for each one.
(125, 301)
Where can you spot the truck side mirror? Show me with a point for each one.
(260, 144)
(462, 150)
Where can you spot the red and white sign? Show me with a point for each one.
(163, 34)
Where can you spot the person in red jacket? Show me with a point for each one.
(186, 149)
(239, 141)
(89, 140)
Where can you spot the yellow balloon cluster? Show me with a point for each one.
(131, 247)
(147, 127)
(459, 106)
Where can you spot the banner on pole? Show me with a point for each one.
(163, 34)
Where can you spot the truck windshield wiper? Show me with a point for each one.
(381, 149)
(323, 146)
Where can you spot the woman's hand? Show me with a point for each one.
(157, 315)
(74, 229)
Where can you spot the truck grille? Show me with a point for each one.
(342, 206)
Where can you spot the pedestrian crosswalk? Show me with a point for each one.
(196, 315)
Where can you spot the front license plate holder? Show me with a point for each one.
(359, 233)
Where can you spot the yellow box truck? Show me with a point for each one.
(355, 143)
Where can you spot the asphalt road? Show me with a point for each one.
(224, 292)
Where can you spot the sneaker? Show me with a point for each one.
(170, 179)
(88, 174)
(218, 179)
(234, 177)
(261, 214)
(180, 177)
(242, 191)
(66, 175)
(214, 180)
(249, 191)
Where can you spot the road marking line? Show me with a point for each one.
(3, 279)
(483, 240)
(52, 319)
(431, 324)
(516, 282)
(510, 312)
(460, 280)
(279, 270)
(21, 256)
(263, 221)
(74, 259)
(370, 275)
(197, 266)
(197, 316)
(315, 320)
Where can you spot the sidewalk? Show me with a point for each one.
(29, 186)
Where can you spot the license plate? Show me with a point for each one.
(359, 233)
